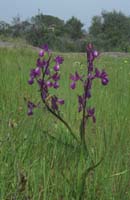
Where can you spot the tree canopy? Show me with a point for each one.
(109, 31)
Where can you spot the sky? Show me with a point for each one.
(64, 9)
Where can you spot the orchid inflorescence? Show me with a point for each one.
(87, 80)
(46, 79)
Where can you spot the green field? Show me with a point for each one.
(38, 158)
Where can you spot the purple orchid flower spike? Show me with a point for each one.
(47, 80)
(91, 55)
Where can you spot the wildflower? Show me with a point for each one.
(49, 84)
(59, 59)
(34, 73)
(87, 82)
(41, 63)
(31, 81)
(73, 85)
(56, 85)
(41, 53)
(81, 103)
(56, 77)
(90, 113)
(95, 53)
(57, 67)
(31, 106)
(45, 47)
(91, 55)
(102, 75)
(74, 79)
(61, 101)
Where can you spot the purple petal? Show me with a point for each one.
(49, 84)
(105, 81)
(90, 67)
(56, 67)
(88, 94)
(31, 106)
(61, 101)
(45, 47)
(59, 60)
(97, 73)
(81, 102)
(37, 71)
(75, 77)
(40, 63)
(44, 94)
(56, 85)
(47, 71)
(54, 103)
(32, 73)
(95, 53)
(41, 53)
(91, 112)
(73, 85)
(31, 81)
(56, 77)
(30, 112)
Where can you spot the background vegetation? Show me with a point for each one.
(36, 166)
(108, 32)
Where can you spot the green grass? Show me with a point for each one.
(36, 166)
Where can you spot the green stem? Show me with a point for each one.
(84, 176)
(62, 120)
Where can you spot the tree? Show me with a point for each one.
(4, 28)
(110, 31)
(73, 28)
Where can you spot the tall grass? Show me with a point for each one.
(38, 158)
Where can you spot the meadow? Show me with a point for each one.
(38, 158)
